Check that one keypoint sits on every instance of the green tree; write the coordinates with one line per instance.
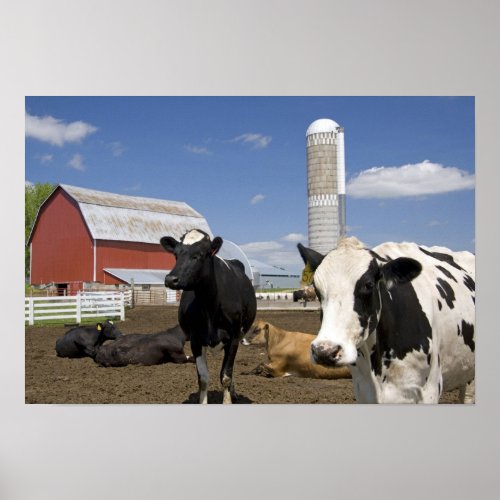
(34, 196)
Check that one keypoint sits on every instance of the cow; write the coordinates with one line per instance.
(145, 349)
(307, 294)
(289, 353)
(256, 334)
(400, 315)
(218, 303)
(83, 341)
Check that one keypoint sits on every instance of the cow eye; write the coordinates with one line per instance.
(369, 286)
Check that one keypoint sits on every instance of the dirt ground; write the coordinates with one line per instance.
(50, 379)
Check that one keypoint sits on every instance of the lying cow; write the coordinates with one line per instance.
(289, 353)
(218, 304)
(145, 349)
(306, 294)
(256, 334)
(401, 316)
(83, 341)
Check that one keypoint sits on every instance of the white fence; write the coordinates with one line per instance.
(274, 295)
(77, 307)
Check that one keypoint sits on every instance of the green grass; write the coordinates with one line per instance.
(71, 321)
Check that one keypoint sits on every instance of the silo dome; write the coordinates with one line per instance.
(322, 125)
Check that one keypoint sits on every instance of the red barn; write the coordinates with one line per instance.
(82, 235)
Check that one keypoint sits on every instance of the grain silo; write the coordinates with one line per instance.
(325, 184)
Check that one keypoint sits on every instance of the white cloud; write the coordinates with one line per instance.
(45, 158)
(257, 199)
(117, 148)
(28, 183)
(197, 150)
(274, 253)
(436, 223)
(56, 131)
(258, 141)
(294, 237)
(418, 179)
(259, 247)
(77, 163)
(290, 260)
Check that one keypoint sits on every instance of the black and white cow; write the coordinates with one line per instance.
(401, 316)
(83, 341)
(218, 303)
(145, 349)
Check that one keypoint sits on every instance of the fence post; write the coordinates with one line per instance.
(122, 306)
(31, 308)
(78, 307)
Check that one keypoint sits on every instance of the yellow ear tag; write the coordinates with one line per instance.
(99, 328)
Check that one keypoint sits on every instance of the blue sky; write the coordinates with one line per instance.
(241, 162)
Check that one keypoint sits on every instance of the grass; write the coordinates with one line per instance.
(72, 321)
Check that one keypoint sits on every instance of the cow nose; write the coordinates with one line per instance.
(171, 281)
(326, 353)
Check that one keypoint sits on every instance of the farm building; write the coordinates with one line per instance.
(266, 276)
(83, 236)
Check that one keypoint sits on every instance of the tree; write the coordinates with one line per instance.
(34, 196)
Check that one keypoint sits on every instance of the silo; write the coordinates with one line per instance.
(325, 184)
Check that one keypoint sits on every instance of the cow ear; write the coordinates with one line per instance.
(215, 245)
(169, 243)
(399, 271)
(310, 256)
(266, 333)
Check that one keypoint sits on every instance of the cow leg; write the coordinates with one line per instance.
(179, 357)
(200, 356)
(226, 374)
(87, 351)
(467, 393)
(274, 369)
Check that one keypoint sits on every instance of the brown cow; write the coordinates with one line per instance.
(289, 353)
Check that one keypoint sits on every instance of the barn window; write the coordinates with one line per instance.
(146, 287)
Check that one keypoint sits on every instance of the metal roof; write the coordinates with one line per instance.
(140, 276)
(117, 217)
(268, 270)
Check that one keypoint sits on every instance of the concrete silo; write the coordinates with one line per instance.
(325, 184)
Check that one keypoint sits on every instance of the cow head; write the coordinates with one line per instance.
(347, 283)
(257, 334)
(108, 331)
(192, 253)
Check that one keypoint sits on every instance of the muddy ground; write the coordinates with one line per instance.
(50, 379)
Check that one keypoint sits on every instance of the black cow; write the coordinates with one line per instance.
(83, 341)
(145, 349)
(218, 303)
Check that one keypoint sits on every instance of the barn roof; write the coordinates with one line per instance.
(117, 217)
(140, 276)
